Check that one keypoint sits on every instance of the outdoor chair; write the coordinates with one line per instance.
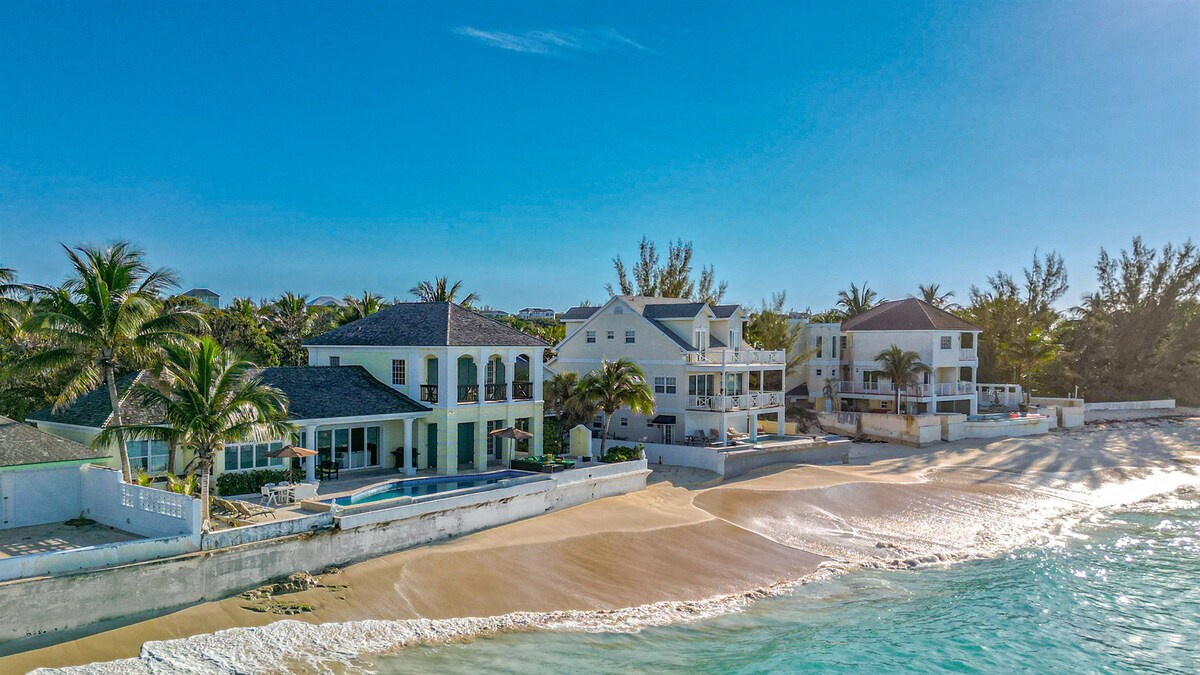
(327, 469)
(250, 511)
(304, 491)
(265, 491)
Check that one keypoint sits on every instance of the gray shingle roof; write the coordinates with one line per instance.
(194, 292)
(21, 444)
(674, 310)
(907, 314)
(579, 313)
(342, 391)
(426, 324)
(94, 410)
(313, 393)
(724, 311)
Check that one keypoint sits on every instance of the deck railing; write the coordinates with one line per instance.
(748, 401)
(429, 393)
(522, 391)
(967, 355)
(468, 393)
(495, 392)
(736, 357)
(886, 389)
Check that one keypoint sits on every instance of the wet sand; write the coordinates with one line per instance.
(689, 536)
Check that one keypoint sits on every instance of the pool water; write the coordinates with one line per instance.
(420, 487)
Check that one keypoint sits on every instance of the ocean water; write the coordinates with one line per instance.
(1120, 592)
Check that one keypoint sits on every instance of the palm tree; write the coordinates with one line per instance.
(1032, 351)
(564, 401)
(209, 397)
(902, 367)
(358, 307)
(293, 320)
(932, 294)
(107, 317)
(440, 290)
(618, 384)
(856, 301)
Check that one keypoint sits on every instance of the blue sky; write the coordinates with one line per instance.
(331, 147)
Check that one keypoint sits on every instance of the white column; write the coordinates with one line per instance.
(723, 430)
(536, 374)
(448, 385)
(510, 371)
(754, 427)
(781, 421)
(406, 464)
(932, 390)
(481, 374)
(310, 463)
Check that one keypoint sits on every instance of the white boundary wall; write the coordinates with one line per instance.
(103, 597)
(141, 510)
(1130, 405)
(38, 496)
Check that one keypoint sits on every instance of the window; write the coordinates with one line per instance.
(818, 372)
(820, 347)
(398, 374)
(148, 456)
(610, 335)
(649, 422)
(349, 447)
(591, 336)
(494, 446)
(702, 385)
(947, 342)
(629, 337)
(624, 421)
(335, 360)
(598, 421)
(842, 343)
(833, 349)
(664, 385)
(240, 456)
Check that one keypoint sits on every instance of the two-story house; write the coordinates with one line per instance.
(706, 378)
(845, 366)
(477, 375)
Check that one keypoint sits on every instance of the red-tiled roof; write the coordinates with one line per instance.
(907, 314)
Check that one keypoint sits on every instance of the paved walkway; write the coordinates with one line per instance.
(57, 537)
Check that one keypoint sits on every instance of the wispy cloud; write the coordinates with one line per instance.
(554, 42)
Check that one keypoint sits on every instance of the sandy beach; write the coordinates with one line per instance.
(689, 536)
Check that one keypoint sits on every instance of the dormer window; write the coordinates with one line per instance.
(335, 361)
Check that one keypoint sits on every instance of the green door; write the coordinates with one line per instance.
(466, 445)
(431, 445)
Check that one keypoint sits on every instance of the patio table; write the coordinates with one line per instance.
(280, 494)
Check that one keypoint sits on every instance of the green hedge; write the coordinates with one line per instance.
(249, 482)
(622, 453)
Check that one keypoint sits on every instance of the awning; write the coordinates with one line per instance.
(663, 420)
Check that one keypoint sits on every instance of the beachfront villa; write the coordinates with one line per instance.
(474, 375)
(352, 420)
(844, 375)
(709, 384)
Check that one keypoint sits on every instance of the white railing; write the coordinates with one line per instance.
(967, 355)
(748, 401)
(886, 389)
(736, 357)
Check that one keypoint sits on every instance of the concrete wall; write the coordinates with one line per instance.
(269, 530)
(826, 452)
(1130, 405)
(89, 557)
(682, 455)
(1021, 426)
(1052, 400)
(37, 496)
(915, 430)
(141, 510)
(33, 607)
(952, 426)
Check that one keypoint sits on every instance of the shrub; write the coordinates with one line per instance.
(249, 482)
(622, 453)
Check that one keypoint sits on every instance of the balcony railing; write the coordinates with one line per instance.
(967, 355)
(736, 357)
(749, 401)
(886, 389)
(468, 393)
(429, 393)
(522, 391)
(495, 392)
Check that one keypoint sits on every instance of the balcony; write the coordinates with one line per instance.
(429, 393)
(967, 355)
(495, 392)
(468, 393)
(522, 391)
(749, 401)
(920, 390)
(736, 357)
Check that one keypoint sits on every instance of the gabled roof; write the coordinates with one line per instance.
(21, 444)
(312, 392)
(579, 313)
(193, 292)
(325, 301)
(94, 410)
(341, 391)
(907, 314)
(426, 324)
(725, 311)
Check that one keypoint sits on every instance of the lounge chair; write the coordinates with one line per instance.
(224, 511)
(734, 433)
(251, 511)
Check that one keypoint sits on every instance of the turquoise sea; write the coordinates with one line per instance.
(1120, 592)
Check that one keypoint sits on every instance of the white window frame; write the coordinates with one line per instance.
(630, 337)
(624, 420)
(590, 337)
(665, 385)
(153, 448)
(610, 335)
(335, 360)
(247, 459)
(947, 342)
(402, 378)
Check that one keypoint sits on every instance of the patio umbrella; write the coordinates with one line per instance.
(511, 432)
(291, 452)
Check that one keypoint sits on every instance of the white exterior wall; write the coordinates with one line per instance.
(40, 495)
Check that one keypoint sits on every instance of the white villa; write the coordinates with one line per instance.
(535, 313)
(844, 368)
(707, 380)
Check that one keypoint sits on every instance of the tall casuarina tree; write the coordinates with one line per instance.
(617, 384)
(107, 316)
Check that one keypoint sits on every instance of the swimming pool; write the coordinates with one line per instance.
(424, 487)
